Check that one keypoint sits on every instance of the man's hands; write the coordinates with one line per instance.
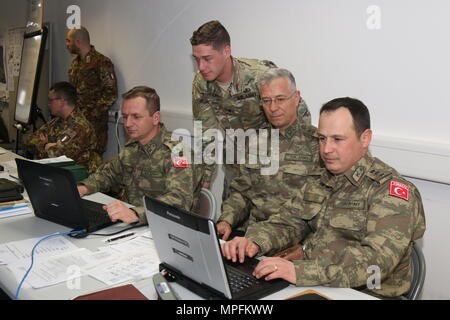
(268, 268)
(224, 229)
(239, 247)
(116, 210)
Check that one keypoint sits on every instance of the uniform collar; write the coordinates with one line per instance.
(88, 57)
(354, 175)
(153, 144)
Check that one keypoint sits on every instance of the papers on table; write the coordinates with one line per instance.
(16, 209)
(58, 260)
(21, 250)
(59, 159)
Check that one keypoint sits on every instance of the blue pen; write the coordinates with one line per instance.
(13, 207)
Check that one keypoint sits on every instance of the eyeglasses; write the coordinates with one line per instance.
(277, 100)
(53, 99)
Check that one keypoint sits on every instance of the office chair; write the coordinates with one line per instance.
(418, 271)
(207, 204)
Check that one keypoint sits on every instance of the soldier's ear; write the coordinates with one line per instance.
(156, 117)
(366, 138)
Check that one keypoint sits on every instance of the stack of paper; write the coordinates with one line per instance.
(14, 209)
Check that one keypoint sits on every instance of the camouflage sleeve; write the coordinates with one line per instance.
(280, 231)
(303, 112)
(203, 111)
(391, 224)
(109, 85)
(236, 208)
(72, 143)
(34, 144)
(107, 177)
(180, 186)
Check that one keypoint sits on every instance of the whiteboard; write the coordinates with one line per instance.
(30, 69)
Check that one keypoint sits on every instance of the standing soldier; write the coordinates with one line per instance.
(225, 91)
(69, 133)
(93, 76)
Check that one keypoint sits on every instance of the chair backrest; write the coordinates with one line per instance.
(418, 271)
(207, 204)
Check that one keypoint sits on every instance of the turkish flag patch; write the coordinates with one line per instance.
(180, 162)
(399, 190)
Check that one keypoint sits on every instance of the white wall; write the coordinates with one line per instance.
(399, 71)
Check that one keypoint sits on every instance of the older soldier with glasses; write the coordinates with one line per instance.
(254, 197)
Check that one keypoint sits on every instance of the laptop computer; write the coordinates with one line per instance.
(189, 250)
(54, 196)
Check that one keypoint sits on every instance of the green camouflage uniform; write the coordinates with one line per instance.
(148, 170)
(237, 108)
(255, 197)
(96, 85)
(349, 223)
(74, 137)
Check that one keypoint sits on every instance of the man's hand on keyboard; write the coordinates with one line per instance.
(274, 268)
(118, 211)
(239, 247)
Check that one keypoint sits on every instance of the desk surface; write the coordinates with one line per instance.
(29, 226)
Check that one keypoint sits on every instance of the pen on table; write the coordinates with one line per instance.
(120, 237)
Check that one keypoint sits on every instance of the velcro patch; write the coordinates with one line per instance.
(180, 162)
(399, 190)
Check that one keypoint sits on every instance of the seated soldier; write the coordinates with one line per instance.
(147, 165)
(255, 196)
(357, 214)
(69, 133)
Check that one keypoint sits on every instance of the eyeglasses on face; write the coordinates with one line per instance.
(277, 100)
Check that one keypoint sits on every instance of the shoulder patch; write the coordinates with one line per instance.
(399, 190)
(180, 162)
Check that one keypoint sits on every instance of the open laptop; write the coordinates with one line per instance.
(54, 196)
(189, 250)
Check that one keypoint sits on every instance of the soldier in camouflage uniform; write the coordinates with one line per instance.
(225, 92)
(69, 133)
(254, 197)
(93, 75)
(356, 217)
(148, 164)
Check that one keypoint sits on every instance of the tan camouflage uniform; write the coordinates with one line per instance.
(74, 137)
(237, 108)
(255, 197)
(96, 85)
(347, 224)
(148, 169)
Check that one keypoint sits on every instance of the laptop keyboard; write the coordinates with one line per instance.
(239, 281)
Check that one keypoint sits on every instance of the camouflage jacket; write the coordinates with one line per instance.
(74, 137)
(148, 169)
(254, 197)
(96, 84)
(348, 224)
(239, 108)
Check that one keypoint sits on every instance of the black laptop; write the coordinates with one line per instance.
(190, 253)
(54, 196)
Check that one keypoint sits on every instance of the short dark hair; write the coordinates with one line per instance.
(66, 91)
(149, 94)
(358, 110)
(211, 33)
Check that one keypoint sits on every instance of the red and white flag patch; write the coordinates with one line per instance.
(180, 162)
(399, 190)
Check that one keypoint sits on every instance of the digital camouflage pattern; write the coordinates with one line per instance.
(255, 197)
(239, 107)
(74, 138)
(148, 170)
(347, 224)
(96, 85)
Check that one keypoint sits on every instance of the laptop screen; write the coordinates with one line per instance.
(188, 244)
(53, 193)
